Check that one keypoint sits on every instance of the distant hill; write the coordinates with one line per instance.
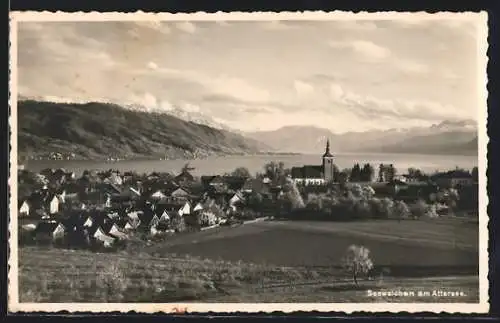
(447, 137)
(301, 139)
(100, 130)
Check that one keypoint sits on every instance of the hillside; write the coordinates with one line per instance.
(444, 143)
(101, 130)
(447, 137)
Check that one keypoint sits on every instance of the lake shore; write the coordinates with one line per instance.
(254, 163)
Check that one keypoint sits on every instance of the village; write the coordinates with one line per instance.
(103, 209)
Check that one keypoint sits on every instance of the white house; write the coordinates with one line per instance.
(54, 205)
(154, 221)
(103, 237)
(235, 199)
(89, 222)
(131, 225)
(62, 197)
(113, 215)
(185, 209)
(59, 232)
(116, 232)
(165, 217)
(134, 215)
(24, 209)
(115, 179)
(108, 202)
(198, 207)
(158, 195)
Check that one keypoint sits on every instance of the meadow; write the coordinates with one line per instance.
(263, 262)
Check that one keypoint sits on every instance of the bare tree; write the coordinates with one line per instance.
(357, 261)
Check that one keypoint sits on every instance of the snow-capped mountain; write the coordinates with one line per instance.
(186, 112)
(446, 136)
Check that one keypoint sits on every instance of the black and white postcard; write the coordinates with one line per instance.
(248, 162)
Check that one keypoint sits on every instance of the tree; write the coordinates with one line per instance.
(415, 173)
(475, 174)
(293, 196)
(357, 191)
(390, 173)
(367, 173)
(271, 169)
(241, 172)
(357, 261)
(368, 192)
(255, 201)
(343, 176)
(186, 168)
(355, 173)
(381, 173)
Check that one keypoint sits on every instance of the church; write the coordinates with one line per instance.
(316, 174)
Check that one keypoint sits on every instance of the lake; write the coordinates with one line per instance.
(255, 163)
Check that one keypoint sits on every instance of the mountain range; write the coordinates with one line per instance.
(100, 130)
(447, 137)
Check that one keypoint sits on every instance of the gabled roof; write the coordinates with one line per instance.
(205, 180)
(185, 175)
(177, 189)
(169, 207)
(307, 171)
(21, 202)
(46, 226)
(50, 197)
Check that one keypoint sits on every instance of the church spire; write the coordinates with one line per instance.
(327, 150)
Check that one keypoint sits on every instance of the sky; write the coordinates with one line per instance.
(352, 75)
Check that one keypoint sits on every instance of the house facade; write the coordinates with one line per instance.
(54, 205)
(24, 209)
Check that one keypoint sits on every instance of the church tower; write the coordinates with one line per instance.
(328, 166)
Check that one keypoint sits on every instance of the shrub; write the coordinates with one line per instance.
(178, 224)
(207, 218)
(431, 211)
(400, 210)
(419, 209)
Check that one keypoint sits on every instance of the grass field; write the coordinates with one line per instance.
(263, 262)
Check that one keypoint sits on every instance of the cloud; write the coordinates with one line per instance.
(222, 84)
(186, 26)
(222, 23)
(152, 65)
(276, 25)
(373, 53)
(363, 48)
(302, 88)
(356, 25)
(411, 67)
(326, 95)
(157, 25)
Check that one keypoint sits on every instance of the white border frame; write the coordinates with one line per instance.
(482, 33)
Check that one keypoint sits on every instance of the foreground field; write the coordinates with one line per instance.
(264, 262)
(51, 275)
(408, 248)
